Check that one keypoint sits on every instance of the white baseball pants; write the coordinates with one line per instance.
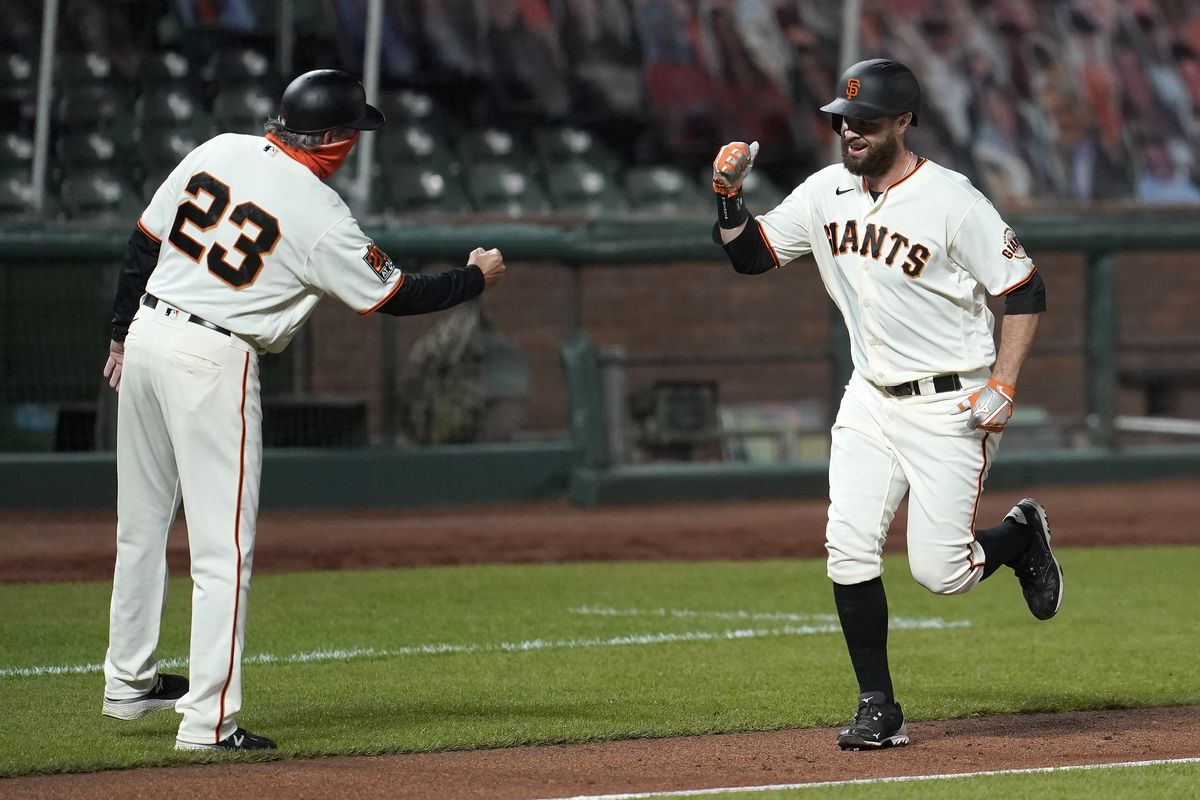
(884, 446)
(189, 427)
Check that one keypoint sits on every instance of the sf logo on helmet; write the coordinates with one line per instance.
(851, 88)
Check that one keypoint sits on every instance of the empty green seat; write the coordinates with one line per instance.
(503, 188)
(663, 188)
(576, 186)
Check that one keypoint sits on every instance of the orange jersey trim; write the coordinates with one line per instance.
(146, 231)
(767, 242)
(920, 163)
(1021, 282)
(237, 541)
(383, 302)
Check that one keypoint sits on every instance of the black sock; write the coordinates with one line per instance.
(1003, 545)
(862, 608)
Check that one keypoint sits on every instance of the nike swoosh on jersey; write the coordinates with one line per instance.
(843, 191)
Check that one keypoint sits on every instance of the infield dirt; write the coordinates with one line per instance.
(79, 546)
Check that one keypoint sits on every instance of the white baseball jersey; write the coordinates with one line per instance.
(908, 271)
(252, 239)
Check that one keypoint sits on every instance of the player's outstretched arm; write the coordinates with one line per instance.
(490, 263)
(730, 168)
(735, 231)
(423, 294)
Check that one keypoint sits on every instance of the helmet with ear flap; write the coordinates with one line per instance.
(327, 98)
(877, 87)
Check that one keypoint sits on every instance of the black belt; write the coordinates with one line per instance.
(150, 301)
(941, 383)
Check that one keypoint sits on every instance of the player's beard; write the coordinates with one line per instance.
(878, 159)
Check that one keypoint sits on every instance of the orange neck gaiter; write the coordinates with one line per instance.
(325, 160)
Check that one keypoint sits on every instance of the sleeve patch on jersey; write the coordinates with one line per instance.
(379, 262)
(1012, 246)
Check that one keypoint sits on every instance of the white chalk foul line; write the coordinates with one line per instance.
(896, 623)
(528, 645)
(869, 781)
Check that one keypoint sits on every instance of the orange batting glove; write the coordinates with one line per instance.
(732, 165)
(991, 407)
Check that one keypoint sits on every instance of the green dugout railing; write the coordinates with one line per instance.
(1099, 237)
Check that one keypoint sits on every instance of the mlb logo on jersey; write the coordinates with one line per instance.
(379, 262)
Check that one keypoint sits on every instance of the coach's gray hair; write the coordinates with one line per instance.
(296, 141)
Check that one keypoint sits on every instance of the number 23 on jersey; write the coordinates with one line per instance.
(252, 250)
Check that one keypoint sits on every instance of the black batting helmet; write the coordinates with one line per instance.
(878, 87)
(327, 98)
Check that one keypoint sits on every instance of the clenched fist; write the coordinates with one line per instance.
(991, 407)
(490, 263)
(732, 165)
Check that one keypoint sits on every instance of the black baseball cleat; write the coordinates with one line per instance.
(241, 739)
(876, 725)
(1038, 570)
(167, 689)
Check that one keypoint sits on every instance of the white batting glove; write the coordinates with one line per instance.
(732, 165)
(991, 407)
(112, 367)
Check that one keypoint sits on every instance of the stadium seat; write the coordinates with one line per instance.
(413, 144)
(16, 151)
(761, 193)
(18, 88)
(169, 145)
(345, 182)
(98, 194)
(494, 145)
(162, 149)
(244, 109)
(16, 192)
(500, 187)
(171, 105)
(576, 186)
(662, 188)
(75, 70)
(18, 77)
(92, 107)
(238, 66)
(561, 144)
(421, 189)
(408, 105)
(90, 149)
(164, 68)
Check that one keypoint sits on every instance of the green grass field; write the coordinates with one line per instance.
(470, 657)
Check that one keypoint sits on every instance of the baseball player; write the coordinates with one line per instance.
(227, 262)
(906, 249)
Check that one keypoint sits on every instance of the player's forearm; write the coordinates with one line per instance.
(141, 256)
(1016, 337)
(422, 294)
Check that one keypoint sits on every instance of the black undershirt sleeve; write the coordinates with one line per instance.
(748, 253)
(141, 256)
(1028, 298)
(421, 294)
